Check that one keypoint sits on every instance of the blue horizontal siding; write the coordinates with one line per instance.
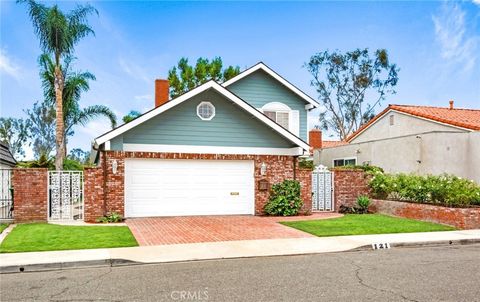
(259, 88)
(231, 127)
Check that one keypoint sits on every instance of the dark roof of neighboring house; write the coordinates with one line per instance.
(457, 117)
(331, 144)
(6, 156)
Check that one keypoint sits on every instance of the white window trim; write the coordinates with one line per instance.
(213, 111)
(344, 158)
(278, 107)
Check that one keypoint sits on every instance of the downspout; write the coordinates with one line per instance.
(103, 155)
(295, 167)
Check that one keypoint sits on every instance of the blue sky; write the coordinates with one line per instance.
(435, 44)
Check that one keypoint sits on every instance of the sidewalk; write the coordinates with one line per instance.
(36, 261)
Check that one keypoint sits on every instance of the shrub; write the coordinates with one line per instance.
(111, 218)
(284, 199)
(448, 190)
(363, 202)
(306, 164)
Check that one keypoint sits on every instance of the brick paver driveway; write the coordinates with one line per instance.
(191, 229)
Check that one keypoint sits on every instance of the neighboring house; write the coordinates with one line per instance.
(207, 151)
(417, 139)
(6, 158)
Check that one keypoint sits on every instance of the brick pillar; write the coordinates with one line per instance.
(94, 193)
(304, 176)
(30, 195)
(348, 185)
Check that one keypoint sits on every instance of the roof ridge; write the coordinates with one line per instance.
(436, 107)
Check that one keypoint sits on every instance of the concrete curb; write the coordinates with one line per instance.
(123, 262)
(43, 267)
(420, 244)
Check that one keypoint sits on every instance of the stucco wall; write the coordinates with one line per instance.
(403, 124)
(428, 153)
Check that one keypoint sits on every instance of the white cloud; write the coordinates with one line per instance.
(145, 97)
(7, 66)
(476, 2)
(451, 32)
(134, 70)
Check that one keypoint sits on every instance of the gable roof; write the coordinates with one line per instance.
(276, 76)
(188, 95)
(468, 119)
(6, 156)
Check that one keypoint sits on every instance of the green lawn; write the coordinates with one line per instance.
(51, 237)
(355, 224)
(3, 226)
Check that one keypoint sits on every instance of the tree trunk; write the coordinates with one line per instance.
(59, 131)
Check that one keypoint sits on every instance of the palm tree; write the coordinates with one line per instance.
(75, 84)
(58, 33)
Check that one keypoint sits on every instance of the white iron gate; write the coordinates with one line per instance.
(65, 195)
(322, 185)
(6, 194)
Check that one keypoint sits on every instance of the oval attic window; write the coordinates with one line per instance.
(205, 111)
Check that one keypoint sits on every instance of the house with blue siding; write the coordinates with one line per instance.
(214, 150)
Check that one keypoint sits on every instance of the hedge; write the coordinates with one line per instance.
(446, 190)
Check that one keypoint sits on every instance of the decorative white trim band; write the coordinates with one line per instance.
(295, 151)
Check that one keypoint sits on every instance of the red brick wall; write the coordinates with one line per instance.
(279, 168)
(30, 194)
(463, 218)
(348, 185)
(94, 195)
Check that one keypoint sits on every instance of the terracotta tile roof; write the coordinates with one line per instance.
(464, 118)
(331, 144)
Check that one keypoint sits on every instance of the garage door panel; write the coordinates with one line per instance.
(156, 187)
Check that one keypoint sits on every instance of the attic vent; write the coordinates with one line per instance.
(392, 120)
(205, 111)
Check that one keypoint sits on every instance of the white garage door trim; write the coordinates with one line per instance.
(178, 187)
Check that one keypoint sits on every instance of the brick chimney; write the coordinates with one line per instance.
(451, 104)
(315, 139)
(161, 92)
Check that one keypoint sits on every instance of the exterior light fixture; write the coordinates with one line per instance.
(263, 169)
(114, 166)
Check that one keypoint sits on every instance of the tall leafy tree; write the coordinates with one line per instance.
(75, 84)
(16, 133)
(185, 77)
(58, 33)
(42, 118)
(350, 85)
(131, 116)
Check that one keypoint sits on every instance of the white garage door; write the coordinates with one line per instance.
(158, 187)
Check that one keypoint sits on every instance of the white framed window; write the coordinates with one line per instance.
(341, 162)
(283, 115)
(205, 111)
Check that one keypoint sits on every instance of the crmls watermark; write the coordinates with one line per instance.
(188, 295)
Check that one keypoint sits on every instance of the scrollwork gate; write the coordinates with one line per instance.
(322, 185)
(65, 195)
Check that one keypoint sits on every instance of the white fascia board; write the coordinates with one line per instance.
(295, 151)
(292, 137)
(211, 84)
(276, 76)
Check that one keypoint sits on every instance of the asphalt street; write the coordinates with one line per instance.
(446, 273)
